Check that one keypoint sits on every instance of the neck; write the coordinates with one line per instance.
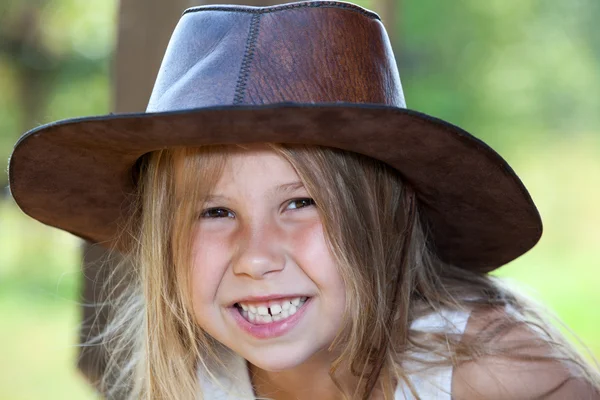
(307, 381)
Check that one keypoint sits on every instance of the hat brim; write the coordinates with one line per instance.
(76, 174)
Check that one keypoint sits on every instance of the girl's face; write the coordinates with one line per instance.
(264, 281)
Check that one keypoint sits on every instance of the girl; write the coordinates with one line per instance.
(291, 230)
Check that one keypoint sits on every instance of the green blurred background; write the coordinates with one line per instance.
(524, 75)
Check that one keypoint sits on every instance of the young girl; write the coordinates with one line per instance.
(291, 231)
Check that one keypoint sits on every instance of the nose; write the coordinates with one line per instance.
(260, 250)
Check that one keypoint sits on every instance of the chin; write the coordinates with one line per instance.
(279, 359)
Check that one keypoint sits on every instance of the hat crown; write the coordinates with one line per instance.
(274, 61)
(305, 52)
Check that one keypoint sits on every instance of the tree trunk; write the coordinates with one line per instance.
(144, 30)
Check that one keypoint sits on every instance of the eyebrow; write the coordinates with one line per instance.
(283, 189)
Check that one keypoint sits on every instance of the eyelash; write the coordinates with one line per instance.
(205, 213)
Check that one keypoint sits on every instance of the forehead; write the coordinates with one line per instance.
(256, 166)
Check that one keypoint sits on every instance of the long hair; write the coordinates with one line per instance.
(373, 227)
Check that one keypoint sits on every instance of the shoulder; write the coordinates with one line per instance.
(523, 365)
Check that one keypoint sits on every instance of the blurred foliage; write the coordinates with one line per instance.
(521, 74)
(54, 62)
(509, 71)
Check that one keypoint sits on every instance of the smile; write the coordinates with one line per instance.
(272, 311)
(270, 319)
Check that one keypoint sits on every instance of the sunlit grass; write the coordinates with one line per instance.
(563, 270)
(37, 346)
(39, 281)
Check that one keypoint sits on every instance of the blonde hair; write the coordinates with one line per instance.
(382, 251)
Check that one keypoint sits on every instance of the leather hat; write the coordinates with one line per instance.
(317, 72)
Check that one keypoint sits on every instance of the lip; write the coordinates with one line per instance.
(270, 330)
(266, 298)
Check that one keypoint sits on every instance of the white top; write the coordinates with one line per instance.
(434, 385)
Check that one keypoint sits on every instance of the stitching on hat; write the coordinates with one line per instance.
(270, 9)
(240, 90)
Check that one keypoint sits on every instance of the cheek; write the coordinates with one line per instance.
(313, 255)
(318, 263)
(209, 263)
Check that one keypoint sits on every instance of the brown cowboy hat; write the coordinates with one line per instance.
(318, 72)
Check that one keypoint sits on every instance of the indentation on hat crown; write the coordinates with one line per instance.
(240, 89)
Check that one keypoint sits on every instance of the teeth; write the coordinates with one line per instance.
(272, 312)
(266, 319)
(276, 309)
(262, 310)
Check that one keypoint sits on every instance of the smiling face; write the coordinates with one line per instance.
(264, 281)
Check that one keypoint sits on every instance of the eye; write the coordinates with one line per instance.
(217, 213)
(300, 203)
